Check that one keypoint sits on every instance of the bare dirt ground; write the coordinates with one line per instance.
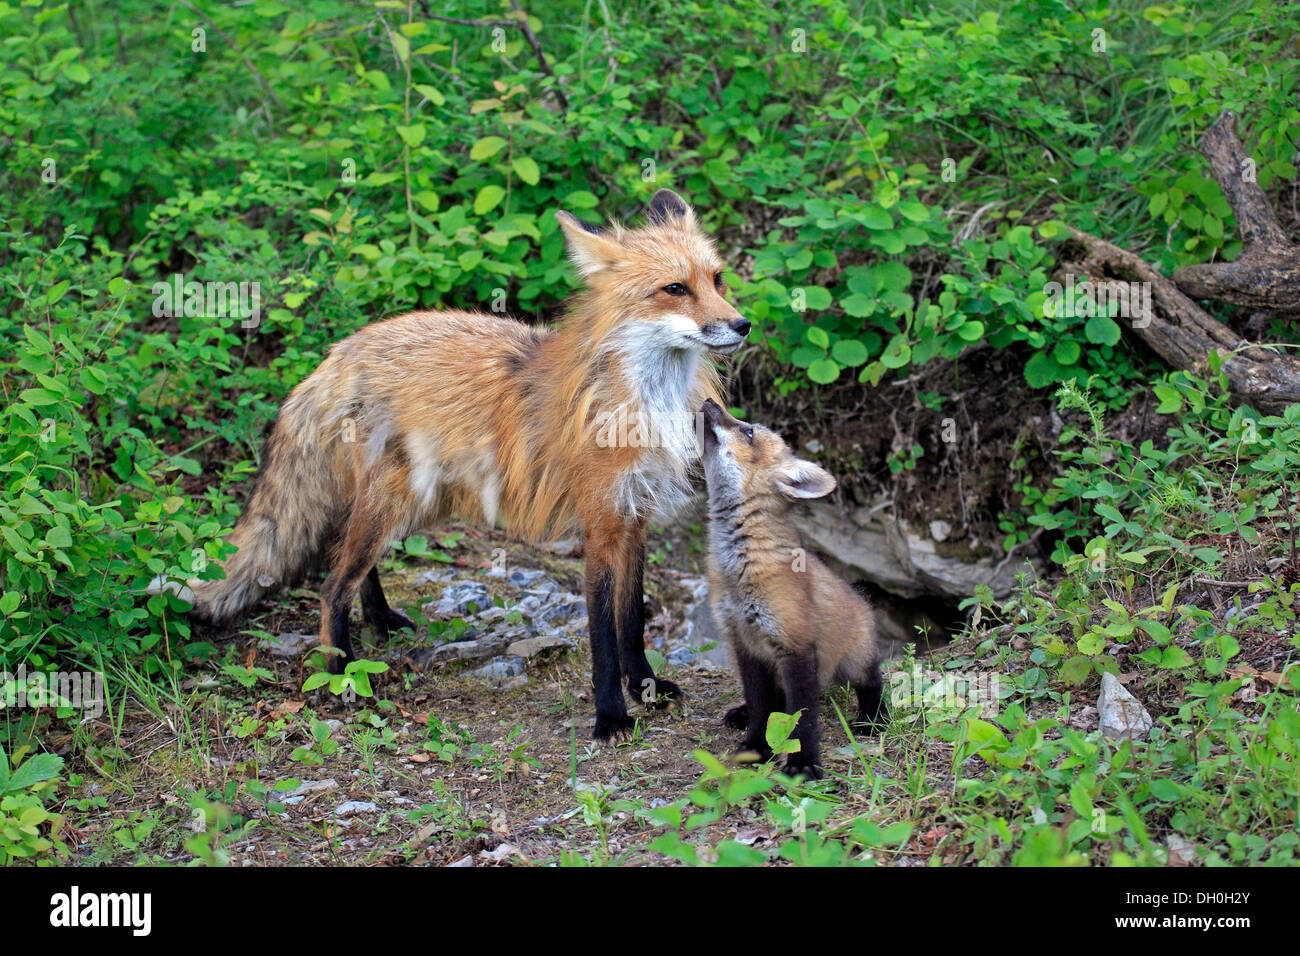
(232, 762)
(440, 766)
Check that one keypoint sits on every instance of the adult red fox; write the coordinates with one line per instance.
(432, 414)
(793, 624)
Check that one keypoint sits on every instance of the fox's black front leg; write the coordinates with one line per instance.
(641, 681)
(611, 709)
(375, 609)
(803, 693)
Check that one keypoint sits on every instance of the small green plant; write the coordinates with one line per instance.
(25, 824)
(354, 681)
(320, 745)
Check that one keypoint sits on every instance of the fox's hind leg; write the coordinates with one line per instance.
(375, 610)
(873, 711)
(365, 536)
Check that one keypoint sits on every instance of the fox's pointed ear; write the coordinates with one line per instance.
(803, 479)
(669, 209)
(591, 248)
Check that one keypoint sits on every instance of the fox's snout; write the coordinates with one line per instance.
(714, 418)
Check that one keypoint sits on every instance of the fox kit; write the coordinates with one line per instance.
(795, 627)
(433, 414)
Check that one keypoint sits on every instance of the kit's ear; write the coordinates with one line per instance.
(669, 209)
(803, 479)
(591, 248)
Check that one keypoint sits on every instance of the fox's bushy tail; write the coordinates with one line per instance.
(289, 523)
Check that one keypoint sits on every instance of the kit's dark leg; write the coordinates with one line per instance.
(803, 693)
(873, 710)
(762, 696)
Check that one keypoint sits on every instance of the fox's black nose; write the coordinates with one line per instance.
(740, 326)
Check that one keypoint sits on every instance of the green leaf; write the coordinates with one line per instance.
(858, 305)
(823, 371)
(1041, 370)
(40, 397)
(527, 170)
(850, 352)
(57, 292)
(915, 211)
(817, 298)
(401, 46)
(319, 679)
(873, 217)
(76, 73)
(1101, 330)
(1171, 401)
(488, 198)
(431, 94)
(487, 147)
(897, 353)
(778, 730)
(818, 337)
(581, 199)
(1165, 790)
(94, 380)
(413, 135)
(984, 738)
(1066, 352)
(34, 770)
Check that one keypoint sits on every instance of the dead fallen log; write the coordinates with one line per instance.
(1265, 276)
(1183, 334)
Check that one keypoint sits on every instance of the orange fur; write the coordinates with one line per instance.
(431, 415)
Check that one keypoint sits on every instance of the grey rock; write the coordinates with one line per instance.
(492, 614)
(462, 651)
(556, 615)
(681, 656)
(886, 552)
(501, 667)
(354, 807)
(536, 645)
(288, 645)
(1120, 714)
(700, 632)
(434, 576)
(1182, 852)
(530, 605)
(940, 530)
(307, 788)
(457, 598)
(522, 579)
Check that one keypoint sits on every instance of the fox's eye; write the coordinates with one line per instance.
(676, 288)
(749, 434)
(717, 279)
